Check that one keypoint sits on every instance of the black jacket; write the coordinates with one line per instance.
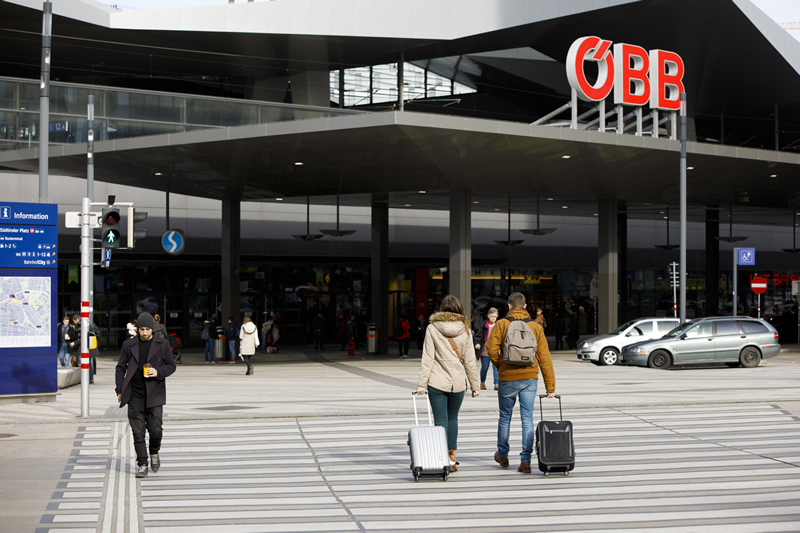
(318, 324)
(160, 357)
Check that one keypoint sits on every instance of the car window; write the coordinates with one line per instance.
(751, 326)
(665, 326)
(622, 328)
(727, 327)
(702, 329)
(644, 328)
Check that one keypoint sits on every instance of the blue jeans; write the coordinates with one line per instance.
(445, 406)
(486, 362)
(507, 396)
(232, 346)
(63, 357)
(209, 354)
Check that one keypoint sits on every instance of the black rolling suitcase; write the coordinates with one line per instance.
(554, 445)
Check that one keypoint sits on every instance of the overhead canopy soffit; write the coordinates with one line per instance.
(401, 152)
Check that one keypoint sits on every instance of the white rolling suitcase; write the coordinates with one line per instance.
(428, 446)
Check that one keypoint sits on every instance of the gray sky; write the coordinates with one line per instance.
(778, 10)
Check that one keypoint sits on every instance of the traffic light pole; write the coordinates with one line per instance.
(86, 262)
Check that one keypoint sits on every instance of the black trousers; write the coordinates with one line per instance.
(318, 341)
(141, 419)
(403, 345)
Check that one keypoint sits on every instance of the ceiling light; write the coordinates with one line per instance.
(422, 192)
(279, 199)
(497, 209)
(564, 207)
(408, 205)
(549, 198)
(666, 218)
(773, 176)
(299, 164)
(595, 214)
(475, 202)
(565, 157)
(689, 168)
(158, 173)
(661, 212)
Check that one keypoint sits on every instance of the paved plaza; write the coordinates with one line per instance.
(315, 441)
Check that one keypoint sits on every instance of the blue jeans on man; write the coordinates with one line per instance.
(232, 346)
(209, 353)
(485, 364)
(507, 394)
(63, 356)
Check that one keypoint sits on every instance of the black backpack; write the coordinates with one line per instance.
(399, 330)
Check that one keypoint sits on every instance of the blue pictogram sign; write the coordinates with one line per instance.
(747, 257)
(173, 242)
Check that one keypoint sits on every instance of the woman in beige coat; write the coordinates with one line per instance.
(446, 356)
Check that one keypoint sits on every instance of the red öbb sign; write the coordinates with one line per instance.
(759, 285)
(636, 75)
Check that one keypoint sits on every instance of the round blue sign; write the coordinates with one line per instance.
(173, 242)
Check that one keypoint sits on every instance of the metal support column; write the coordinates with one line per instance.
(231, 260)
(379, 269)
(607, 265)
(460, 267)
(44, 100)
(684, 241)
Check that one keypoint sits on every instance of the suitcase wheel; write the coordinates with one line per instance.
(416, 476)
(547, 473)
(445, 474)
(566, 472)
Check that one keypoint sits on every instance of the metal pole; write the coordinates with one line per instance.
(683, 265)
(735, 279)
(400, 81)
(44, 100)
(90, 195)
(86, 260)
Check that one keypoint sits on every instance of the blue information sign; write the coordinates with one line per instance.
(173, 242)
(28, 214)
(28, 246)
(747, 257)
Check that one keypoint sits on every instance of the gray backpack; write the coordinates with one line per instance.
(519, 345)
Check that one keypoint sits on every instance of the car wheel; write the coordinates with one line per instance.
(750, 357)
(659, 359)
(609, 356)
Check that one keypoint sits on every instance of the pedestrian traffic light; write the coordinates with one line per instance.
(134, 217)
(111, 227)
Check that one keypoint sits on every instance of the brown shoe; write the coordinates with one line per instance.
(525, 468)
(503, 461)
(453, 462)
(483, 386)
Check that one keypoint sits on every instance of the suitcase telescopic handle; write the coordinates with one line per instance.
(427, 401)
(541, 413)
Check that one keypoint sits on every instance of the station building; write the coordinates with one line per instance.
(365, 155)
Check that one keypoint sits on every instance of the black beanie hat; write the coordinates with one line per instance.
(145, 320)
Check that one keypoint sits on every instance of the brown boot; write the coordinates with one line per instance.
(525, 468)
(503, 461)
(453, 462)
(483, 386)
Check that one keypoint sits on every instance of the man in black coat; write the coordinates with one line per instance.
(144, 396)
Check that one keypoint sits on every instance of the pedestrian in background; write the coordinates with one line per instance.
(318, 326)
(480, 347)
(248, 342)
(276, 328)
(160, 329)
(446, 357)
(420, 331)
(144, 364)
(63, 340)
(352, 334)
(402, 332)
(205, 336)
(559, 330)
(266, 332)
(131, 327)
(233, 335)
(341, 329)
(213, 336)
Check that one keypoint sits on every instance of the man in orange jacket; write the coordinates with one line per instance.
(519, 381)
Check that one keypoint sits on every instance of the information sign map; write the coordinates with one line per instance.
(25, 311)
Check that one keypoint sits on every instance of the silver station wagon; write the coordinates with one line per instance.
(605, 349)
(731, 340)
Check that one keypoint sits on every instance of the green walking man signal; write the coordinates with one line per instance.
(111, 233)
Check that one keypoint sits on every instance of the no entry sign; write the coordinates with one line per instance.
(759, 285)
